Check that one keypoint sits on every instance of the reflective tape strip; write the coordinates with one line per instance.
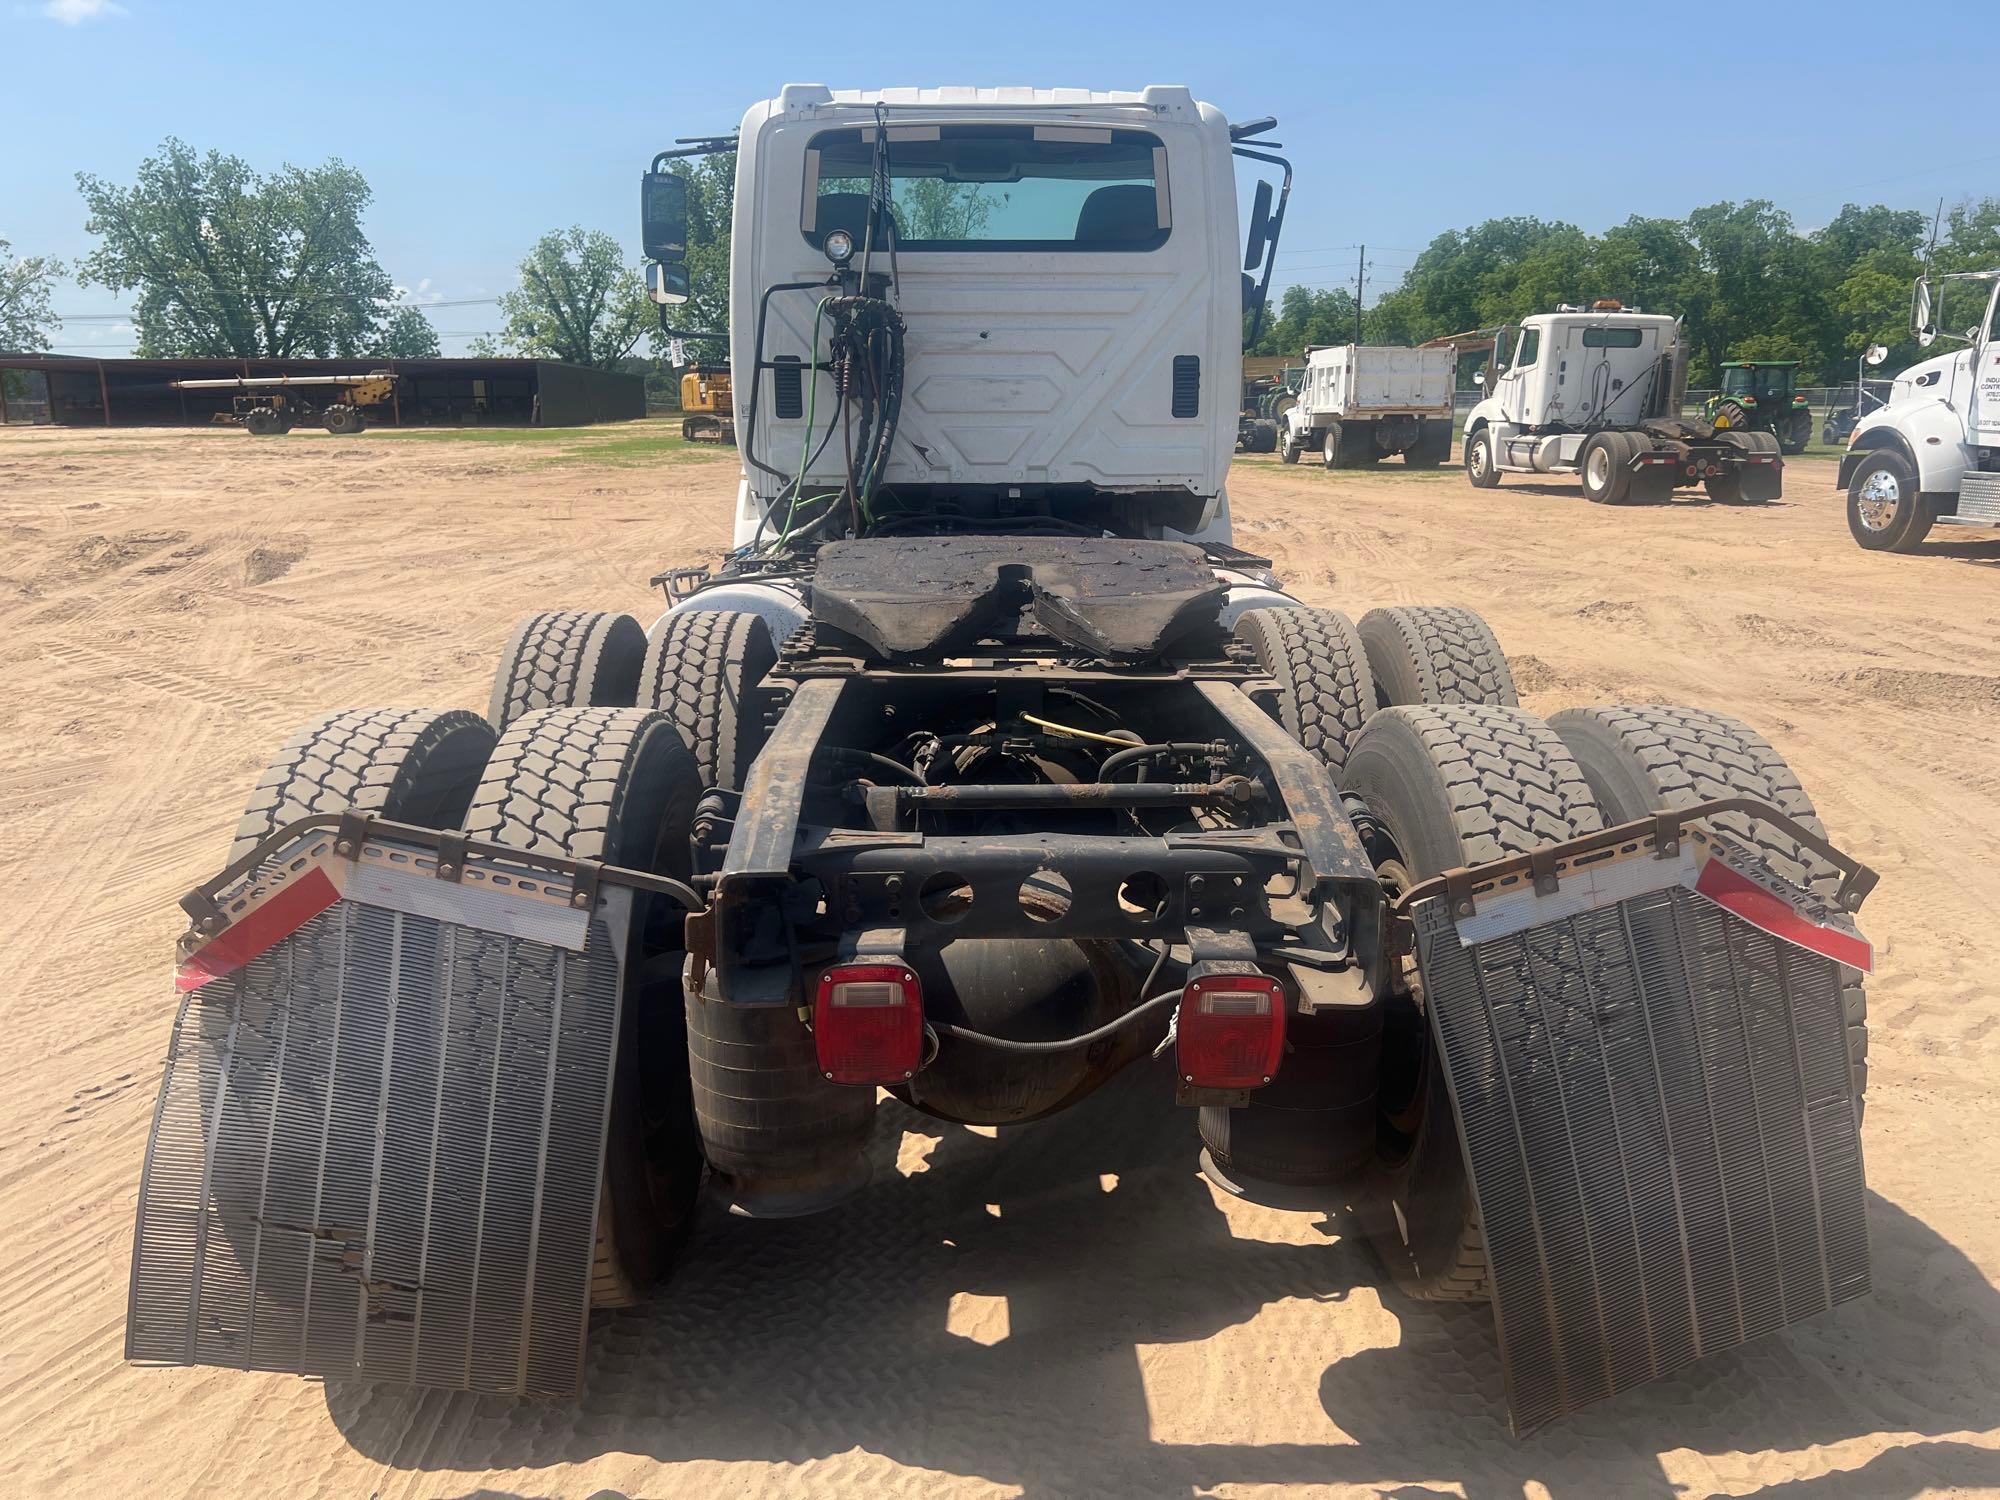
(484, 907)
(258, 930)
(1700, 866)
(1581, 888)
(1768, 912)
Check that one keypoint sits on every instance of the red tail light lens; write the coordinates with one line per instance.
(1230, 1033)
(868, 1023)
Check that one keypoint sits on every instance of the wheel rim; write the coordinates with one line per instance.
(1475, 455)
(1597, 468)
(1878, 500)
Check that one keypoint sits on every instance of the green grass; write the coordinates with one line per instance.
(615, 445)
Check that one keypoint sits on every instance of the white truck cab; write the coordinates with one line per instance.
(1066, 266)
(1597, 392)
(1932, 455)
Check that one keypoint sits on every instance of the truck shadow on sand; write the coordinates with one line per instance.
(1678, 500)
(791, 1342)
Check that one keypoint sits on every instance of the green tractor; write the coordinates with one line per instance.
(1762, 394)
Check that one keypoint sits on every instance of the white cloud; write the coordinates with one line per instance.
(76, 12)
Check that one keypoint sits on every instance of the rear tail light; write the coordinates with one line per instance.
(868, 1023)
(1230, 1031)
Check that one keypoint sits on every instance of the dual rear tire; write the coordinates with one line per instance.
(1440, 786)
(579, 770)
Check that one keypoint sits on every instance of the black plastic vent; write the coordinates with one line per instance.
(1187, 385)
(790, 390)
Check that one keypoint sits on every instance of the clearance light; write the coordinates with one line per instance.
(868, 1023)
(1230, 1031)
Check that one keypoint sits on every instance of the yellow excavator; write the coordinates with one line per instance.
(708, 413)
(267, 405)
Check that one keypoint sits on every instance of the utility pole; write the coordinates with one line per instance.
(1360, 281)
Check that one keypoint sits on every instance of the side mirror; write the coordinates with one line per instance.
(667, 284)
(1479, 377)
(663, 232)
(1260, 228)
(1920, 315)
(1875, 355)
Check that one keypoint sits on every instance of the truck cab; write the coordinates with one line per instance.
(1567, 371)
(1117, 209)
(1597, 392)
(1931, 456)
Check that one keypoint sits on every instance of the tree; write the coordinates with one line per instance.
(578, 302)
(25, 318)
(228, 262)
(1305, 316)
(932, 208)
(407, 334)
(711, 184)
(1747, 282)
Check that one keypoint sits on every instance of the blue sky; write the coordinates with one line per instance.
(481, 126)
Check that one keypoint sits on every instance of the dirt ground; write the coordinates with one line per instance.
(1061, 1310)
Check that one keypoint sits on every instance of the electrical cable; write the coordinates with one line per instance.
(1064, 1044)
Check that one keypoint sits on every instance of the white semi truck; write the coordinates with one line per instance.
(962, 785)
(1597, 392)
(1932, 455)
(1359, 403)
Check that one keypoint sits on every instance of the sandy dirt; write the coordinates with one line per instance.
(1064, 1309)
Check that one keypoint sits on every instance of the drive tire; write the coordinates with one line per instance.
(704, 670)
(1442, 787)
(1731, 416)
(409, 765)
(1435, 653)
(1480, 468)
(1886, 512)
(1602, 466)
(617, 785)
(1332, 452)
(343, 421)
(1325, 692)
(1651, 758)
(1797, 433)
(568, 658)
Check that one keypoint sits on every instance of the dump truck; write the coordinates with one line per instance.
(1596, 392)
(984, 767)
(1931, 455)
(271, 405)
(1361, 403)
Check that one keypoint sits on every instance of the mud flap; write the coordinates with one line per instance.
(1763, 480)
(1649, 1065)
(380, 1136)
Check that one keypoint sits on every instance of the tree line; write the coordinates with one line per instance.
(226, 261)
(1749, 282)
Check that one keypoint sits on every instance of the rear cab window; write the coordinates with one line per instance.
(995, 187)
(1612, 338)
